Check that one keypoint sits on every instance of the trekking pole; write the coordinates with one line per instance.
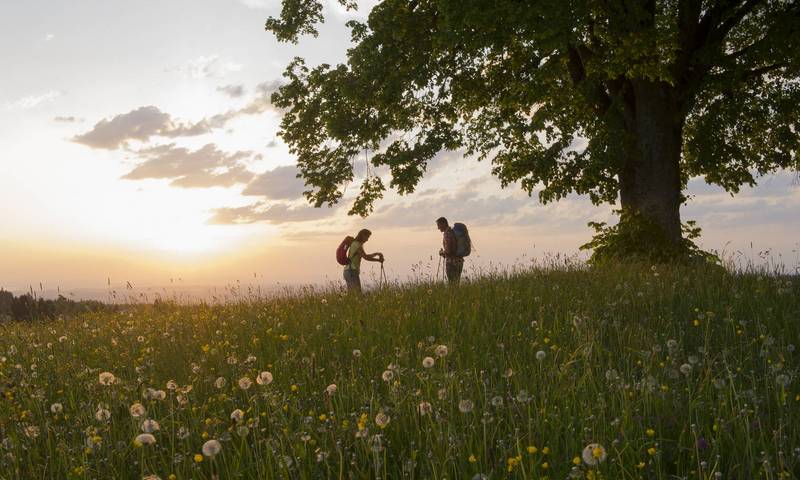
(382, 280)
(438, 267)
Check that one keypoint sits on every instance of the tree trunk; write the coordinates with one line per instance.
(650, 182)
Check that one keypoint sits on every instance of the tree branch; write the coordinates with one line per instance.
(717, 35)
(745, 75)
(597, 94)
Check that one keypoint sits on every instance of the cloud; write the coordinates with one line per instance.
(464, 205)
(139, 124)
(206, 167)
(33, 101)
(49, 37)
(233, 91)
(69, 119)
(259, 104)
(145, 122)
(280, 183)
(255, 4)
(211, 66)
(276, 214)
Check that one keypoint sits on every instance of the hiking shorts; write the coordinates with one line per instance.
(353, 280)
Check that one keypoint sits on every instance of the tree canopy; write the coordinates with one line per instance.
(614, 99)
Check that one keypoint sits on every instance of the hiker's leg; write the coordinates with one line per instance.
(352, 281)
(453, 270)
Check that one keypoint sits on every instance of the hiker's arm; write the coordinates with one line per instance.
(373, 257)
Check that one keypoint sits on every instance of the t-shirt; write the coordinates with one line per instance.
(355, 259)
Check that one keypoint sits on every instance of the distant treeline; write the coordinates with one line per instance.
(28, 307)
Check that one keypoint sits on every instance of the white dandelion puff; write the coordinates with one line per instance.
(237, 415)
(150, 426)
(427, 362)
(211, 448)
(593, 454)
(424, 408)
(102, 414)
(137, 410)
(465, 406)
(382, 420)
(106, 378)
(145, 439)
(264, 378)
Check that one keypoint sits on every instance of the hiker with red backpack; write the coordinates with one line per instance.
(456, 245)
(350, 253)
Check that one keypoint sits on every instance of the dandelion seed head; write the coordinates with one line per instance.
(264, 378)
(237, 415)
(137, 410)
(211, 447)
(382, 420)
(102, 414)
(106, 378)
(594, 454)
(144, 439)
(424, 408)
(150, 426)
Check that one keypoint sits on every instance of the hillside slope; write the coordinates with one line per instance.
(671, 371)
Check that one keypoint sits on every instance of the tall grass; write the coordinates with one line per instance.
(674, 372)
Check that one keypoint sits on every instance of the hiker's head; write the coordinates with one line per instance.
(441, 224)
(363, 235)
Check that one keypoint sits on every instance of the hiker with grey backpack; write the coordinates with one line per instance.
(456, 245)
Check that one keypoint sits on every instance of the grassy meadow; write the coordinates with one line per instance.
(617, 373)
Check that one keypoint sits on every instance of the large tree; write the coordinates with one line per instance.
(618, 99)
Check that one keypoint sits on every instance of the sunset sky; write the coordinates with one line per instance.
(138, 144)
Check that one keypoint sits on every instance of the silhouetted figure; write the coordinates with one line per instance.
(456, 245)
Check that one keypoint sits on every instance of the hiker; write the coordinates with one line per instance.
(456, 246)
(355, 252)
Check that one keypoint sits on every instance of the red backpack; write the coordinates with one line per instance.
(341, 251)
